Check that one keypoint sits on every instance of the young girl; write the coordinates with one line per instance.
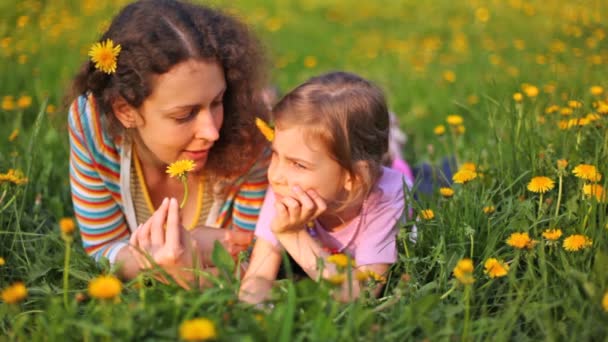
(329, 192)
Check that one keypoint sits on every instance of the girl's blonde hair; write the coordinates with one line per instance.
(349, 115)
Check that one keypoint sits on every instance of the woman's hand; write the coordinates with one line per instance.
(170, 247)
(293, 213)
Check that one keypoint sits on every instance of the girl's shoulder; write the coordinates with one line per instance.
(389, 188)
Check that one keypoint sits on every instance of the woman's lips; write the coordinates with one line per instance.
(197, 155)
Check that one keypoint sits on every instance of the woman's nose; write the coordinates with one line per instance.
(206, 127)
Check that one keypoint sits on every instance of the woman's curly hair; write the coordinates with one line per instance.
(155, 35)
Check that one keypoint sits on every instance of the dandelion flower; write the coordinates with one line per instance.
(575, 104)
(336, 279)
(552, 234)
(2, 262)
(454, 120)
(464, 176)
(24, 101)
(105, 55)
(266, 130)
(197, 329)
(520, 241)
(179, 168)
(552, 109)
(605, 301)
(587, 172)
(14, 293)
(562, 164)
(446, 192)
(67, 225)
(495, 268)
(427, 214)
(460, 129)
(464, 271)
(530, 90)
(105, 287)
(518, 97)
(576, 242)
(594, 190)
(439, 130)
(369, 274)
(340, 260)
(469, 166)
(14, 135)
(596, 90)
(8, 103)
(489, 209)
(541, 184)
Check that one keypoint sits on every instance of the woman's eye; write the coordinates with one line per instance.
(191, 114)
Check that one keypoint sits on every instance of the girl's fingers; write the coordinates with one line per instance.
(308, 207)
(319, 202)
(293, 208)
(157, 231)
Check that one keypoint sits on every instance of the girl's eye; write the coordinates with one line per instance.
(298, 165)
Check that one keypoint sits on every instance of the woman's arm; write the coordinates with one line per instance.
(261, 273)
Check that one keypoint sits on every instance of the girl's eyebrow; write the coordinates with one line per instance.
(291, 158)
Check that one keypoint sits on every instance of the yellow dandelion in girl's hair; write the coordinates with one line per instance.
(179, 168)
(446, 192)
(14, 293)
(495, 268)
(576, 242)
(587, 172)
(605, 301)
(541, 184)
(427, 214)
(464, 176)
(105, 55)
(520, 241)
(105, 287)
(336, 279)
(552, 234)
(518, 97)
(596, 90)
(489, 209)
(464, 271)
(439, 130)
(454, 120)
(340, 260)
(594, 190)
(265, 128)
(197, 329)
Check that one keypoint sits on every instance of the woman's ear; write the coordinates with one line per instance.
(125, 113)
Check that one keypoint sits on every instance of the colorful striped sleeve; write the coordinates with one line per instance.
(101, 221)
(250, 195)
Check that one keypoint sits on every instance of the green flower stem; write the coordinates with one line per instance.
(467, 312)
(559, 197)
(184, 180)
(66, 268)
(540, 205)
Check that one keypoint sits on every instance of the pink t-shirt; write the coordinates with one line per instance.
(370, 237)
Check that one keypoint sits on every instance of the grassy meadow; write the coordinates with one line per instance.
(514, 89)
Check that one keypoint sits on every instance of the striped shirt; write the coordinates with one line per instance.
(100, 180)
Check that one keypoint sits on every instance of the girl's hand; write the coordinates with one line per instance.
(170, 247)
(237, 241)
(293, 213)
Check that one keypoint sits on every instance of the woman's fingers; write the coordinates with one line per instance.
(157, 230)
(173, 247)
(143, 235)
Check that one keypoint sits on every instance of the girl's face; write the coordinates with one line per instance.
(299, 159)
(182, 117)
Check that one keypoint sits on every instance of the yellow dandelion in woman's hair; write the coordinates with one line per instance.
(576, 242)
(105, 287)
(266, 130)
(14, 293)
(197, 329)
(552, 234)
(427, 214)
(541, 184)
(587, 172)
(520, 241)
(446, 192)
(464, 176)
(495, 268)
(179, 168)
(105, 55)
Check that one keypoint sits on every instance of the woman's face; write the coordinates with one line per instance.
(182, 117)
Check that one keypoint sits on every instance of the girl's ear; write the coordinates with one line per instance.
(351, 181)
(125, 113)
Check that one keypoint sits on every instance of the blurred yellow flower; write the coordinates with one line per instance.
(552, 109)
(14, 293)
(67, 225)
(2, 261)
(180, 168)
(13, 176)
(439, 130)
(576, 242)
(464, 271)
(427, 214)
(562, 164)
(482, 14)
(8, 103)
(596, 90)
(197, 329)
(266, 130)
(520, 241)
(22, 21)
(575, 104)
(51, 109)
(518, 97)
(566, 111)
(605, 301)
(105, 55)
(594, 190)
(105, 287)
(530, 90)
(495, 268)
(14, 135)
(460, 129)
(446, 192)
(449, 76)
(489, 209)
(310, 62)
(541, 184)
(454, 120)
(552, 234)
(464, 176)
(336, 279)
(24, 101)
(340, 260)
(468, 166)
(587, 172)
(369, 274)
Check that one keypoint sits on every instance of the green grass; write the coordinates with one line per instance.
(406, 47)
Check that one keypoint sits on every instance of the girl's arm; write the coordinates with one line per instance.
(261, 273)
(306, 251)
